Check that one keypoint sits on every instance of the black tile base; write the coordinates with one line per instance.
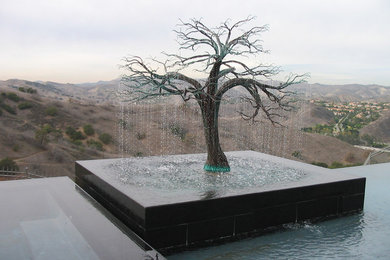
(180, 223)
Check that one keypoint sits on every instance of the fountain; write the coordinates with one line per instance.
(173, 208)
(171, 201)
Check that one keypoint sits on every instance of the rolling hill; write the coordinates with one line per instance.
(153, 129)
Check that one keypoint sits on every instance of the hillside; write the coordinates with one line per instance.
(313, 115)
(55, 153)
(149, 129)
(102, 92)
(379, 128)
(344, 93)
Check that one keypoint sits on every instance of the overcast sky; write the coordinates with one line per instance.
(337, 42)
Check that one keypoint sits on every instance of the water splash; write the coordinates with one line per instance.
(170, 173)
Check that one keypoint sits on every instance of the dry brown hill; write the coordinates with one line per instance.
(313, 114)
(345, 93)
(57, 153)
(149, 129)
(379, 128)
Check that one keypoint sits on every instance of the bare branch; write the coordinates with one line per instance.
(209, 47)
(254, 87)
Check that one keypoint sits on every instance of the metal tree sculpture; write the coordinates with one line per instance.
(220, 51)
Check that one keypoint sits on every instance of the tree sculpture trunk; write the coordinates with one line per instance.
(216, 159)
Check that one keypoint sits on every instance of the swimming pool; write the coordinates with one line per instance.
(362, 236)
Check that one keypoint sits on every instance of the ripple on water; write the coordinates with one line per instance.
(173, 173)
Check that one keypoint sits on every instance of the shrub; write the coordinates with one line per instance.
(178, 131)
(378, 145)
(105, 138)
(74, 134)
(350, 136)
(51, 111)
(31, 91)
(25, 105)
(88, 130)
(368, 139)
(140, 136)
(9, 164)
(22, 89)
(1, 112)
(15, 148)
(138, 154)
(42, 134)
(321, 164)
(8, 108)
(77, 142)
(297, 154)
(335, 165)
(125, 124)
(12, 96)
(95, 144)
(122, 123)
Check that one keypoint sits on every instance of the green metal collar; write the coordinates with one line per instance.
(211, 168)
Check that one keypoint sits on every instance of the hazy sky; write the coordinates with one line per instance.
(337, 42)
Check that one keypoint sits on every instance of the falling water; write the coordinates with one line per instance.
(167, 126)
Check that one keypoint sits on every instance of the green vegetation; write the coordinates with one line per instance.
(335, 165)
(105, 138)
(7, 108)
(73, 134)
(349, 118)
(350, 136)
(319, 129)
(77, 142)
(8, 164)
(51, 111)
(15, 148)
(88, 130)
(378, 145)
(138, 154)
(12, 96)
(297, 154)
(123, 124)
(95, 144)
(371, 141)
(1, 112)
(42, 134)
(321, 164)
(25, 105)
(29, 90)
(140, 136)
(178, 131)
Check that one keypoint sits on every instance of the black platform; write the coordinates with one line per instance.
(180, 220)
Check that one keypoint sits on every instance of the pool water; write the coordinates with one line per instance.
(361, 236)
(185, 172)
